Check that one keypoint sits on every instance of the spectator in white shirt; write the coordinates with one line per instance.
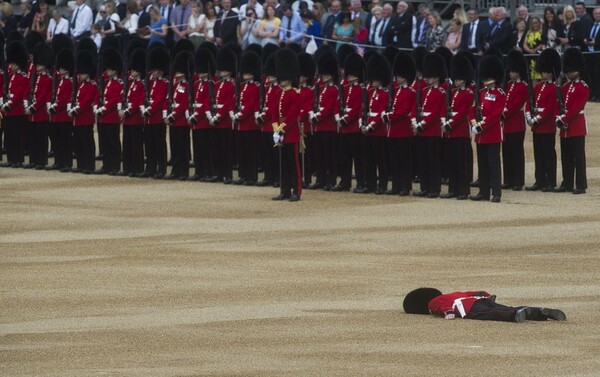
(130, 22)
(57, 25)
(196, 24)
(81, 22)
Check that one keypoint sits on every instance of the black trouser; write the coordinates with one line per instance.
(544, 155)
(429, 164)
(14, 128)
(325, 161)
(63, 150)
(84, 147)
(109, 138)
(307, 160)
(179, 140)
(53, 135)
(222, 145)
(155, 142)
(573, 162)
(201, 140)
(488, 164)
(513, 159)
(133, 148)
(27, 136)
(350, 150)
(470, 161)
(269, 157)
(291, 181)
(488, 310)
(444, 159)
(38, 150)
(417, 146)
(400, 151)
(247, 154)
(593, 73)
(457, 165)
(375, 156)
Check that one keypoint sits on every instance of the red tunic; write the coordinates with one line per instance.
(575, 95)
(433, 109)
(514, 111)
(113, 98)
(289, 113)
(18, 91)
(461, 107)
(403, 109)
(87, 95)
(492, 104)
(180, 107)
(249, 104)
(64, 96)
(201, 103)
(159, 97)
(458, 302)
(329, 105)
(270, 111)
(224, 102)
(42, 95)
(377, 104)
(353, 95)
(546, 104)
(136, 95)
(307, 99)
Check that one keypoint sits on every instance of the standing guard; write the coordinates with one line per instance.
(308, 89)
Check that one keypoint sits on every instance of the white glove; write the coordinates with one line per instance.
(276, 137)
(232, 115)
(413, 122)
(337, 118)
(476, 130)
(69, 106)
(449, 315)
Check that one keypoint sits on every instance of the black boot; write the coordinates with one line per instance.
(543, 314)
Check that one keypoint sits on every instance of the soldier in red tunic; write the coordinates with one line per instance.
(350, 140)
(572, 124)
(155, 131)
(179, 129)
(131, 116)
(107, 112)
(513, 153)
(199, 115)
(13, 108)
(308, 69)
(488, 131)
(457, 128)
(480, 305)
(400, 131)
(82, 112)
(541, 117)
(221, 120)
(3, 93)
(325, 126)
(375, 131)
(39, 119)
(61, 121)
(243, 117)
(265, 120)
(286, 131)
(427, 128)
(419, 86)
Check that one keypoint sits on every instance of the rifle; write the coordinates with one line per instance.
(559, 96)
(340, 89)
(418, 102)
(478, 116)
(315, 103)
(125, 80)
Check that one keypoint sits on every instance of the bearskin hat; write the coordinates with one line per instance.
(573, 60)
(446, 54)
(183, 44)
(416, 301)
(287, 66)
(14, 35)
(267, 50)
(209, 46)
(469, 55)
(60, 41)
(226, 60)
(434, 65)
(269, 69)
(328, 65)
(549, 61)
(85, 63)
(495, 51)
(378, 69)
(183, 63)
(343, 52)
(491, 68)
(137, 61)
(1, 49)
(158, 59)
(308, 67)
(369, 54)
(294, 47)
(404, 66)
(133, 45)
(32, 39)
(16, 53)
(110, 41)
(515, 62)
(237, 50)
(112, 59)
(65, 60)
(205, 61)
(419, 54)
(355, 66)
(323, 49)
(461, 68)
(256, 48)
(42, 55)
(251, 63)
(390, 53)
(87, 44)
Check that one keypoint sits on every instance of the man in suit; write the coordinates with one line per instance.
(356, 11)
(330, 18)
(383, 28)
(592, 43)
(402, 26)
(226, 25)
(523, 12)
(582, 26)
(144, 16)
(500, 35)
(419, 31)
(472, 36)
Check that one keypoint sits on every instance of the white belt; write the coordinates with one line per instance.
(373, 114)
(581, 112)
(458, 305)
(197, 105)
(426, 114)
(217, 106)
(538, 109)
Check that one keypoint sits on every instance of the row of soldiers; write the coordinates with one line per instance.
(382, 116)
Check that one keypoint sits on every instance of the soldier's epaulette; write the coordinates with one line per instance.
(441, 89)
(165, 79)
(24, 74)
(119, 80)
(501, 91)
(584, 83)
(469, 91)
(411, 88)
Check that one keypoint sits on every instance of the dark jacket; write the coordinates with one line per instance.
(228, 30)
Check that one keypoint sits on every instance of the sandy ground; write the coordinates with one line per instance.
(128, 277)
